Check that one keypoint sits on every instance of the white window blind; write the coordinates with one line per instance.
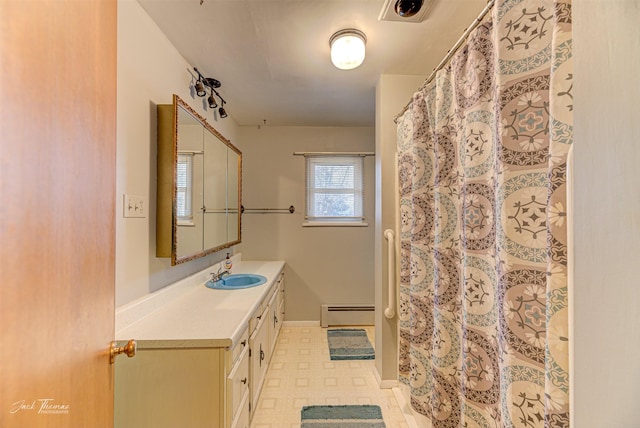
(335, 190)
(184, 181)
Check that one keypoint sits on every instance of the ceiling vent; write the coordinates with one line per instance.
(404, 10)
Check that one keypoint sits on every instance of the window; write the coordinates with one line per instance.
(184, 180)
(335, 191)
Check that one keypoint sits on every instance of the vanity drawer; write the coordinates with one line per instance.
(240, 346)
(257, 316)
(238, 382)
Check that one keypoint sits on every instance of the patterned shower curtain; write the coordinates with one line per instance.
(482, 160)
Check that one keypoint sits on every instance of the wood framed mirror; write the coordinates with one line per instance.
(199, 186)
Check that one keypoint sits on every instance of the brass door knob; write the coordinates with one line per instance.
(129, 350)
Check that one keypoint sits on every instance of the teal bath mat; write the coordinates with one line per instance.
(349, 344)
(361, 416)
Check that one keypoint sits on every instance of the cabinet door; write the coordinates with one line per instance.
(242, 419)
(280, 313)
(280, 304)
(274, 323)
(259, 343)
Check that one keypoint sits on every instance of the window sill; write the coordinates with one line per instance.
(335, 224)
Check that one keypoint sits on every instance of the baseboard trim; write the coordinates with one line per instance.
(384, 384)
(405, 407)
(388, 384)
(301, 324)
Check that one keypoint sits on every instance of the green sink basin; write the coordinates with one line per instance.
(237, 281)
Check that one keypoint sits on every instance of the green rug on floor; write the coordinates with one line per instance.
(359, 416)
(349, 344)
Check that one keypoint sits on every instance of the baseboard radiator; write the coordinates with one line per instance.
(348, 314)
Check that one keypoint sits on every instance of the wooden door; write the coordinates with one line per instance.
(57, 208)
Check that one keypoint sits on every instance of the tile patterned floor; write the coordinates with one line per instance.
(301, 373)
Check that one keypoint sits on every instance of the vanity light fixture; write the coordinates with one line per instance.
(212, 101)
(200, 87)
(212, 84)
(347, 48)
(221, 111)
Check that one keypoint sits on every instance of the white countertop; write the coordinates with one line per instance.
(188, 314)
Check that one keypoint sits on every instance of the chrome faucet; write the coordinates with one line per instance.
(218, 275)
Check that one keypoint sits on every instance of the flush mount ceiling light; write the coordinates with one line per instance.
(348, 48)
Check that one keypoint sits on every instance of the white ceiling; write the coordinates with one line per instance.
(272, 56)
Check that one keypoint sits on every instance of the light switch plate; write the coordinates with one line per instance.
(134, 206)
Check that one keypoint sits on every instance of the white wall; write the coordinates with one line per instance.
(324, 264)
(606, 291)
(150, 71)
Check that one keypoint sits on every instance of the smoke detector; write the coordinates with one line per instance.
(403, 10)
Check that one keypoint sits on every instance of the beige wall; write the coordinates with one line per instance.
(150, 71)
(324, 264)
(392, 94)
(606, 292)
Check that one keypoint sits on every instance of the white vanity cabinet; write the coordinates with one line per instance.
(184, 387)
(265, 327)
(166, 388)
(197, 382)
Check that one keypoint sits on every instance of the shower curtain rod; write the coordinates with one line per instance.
(450, 53)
